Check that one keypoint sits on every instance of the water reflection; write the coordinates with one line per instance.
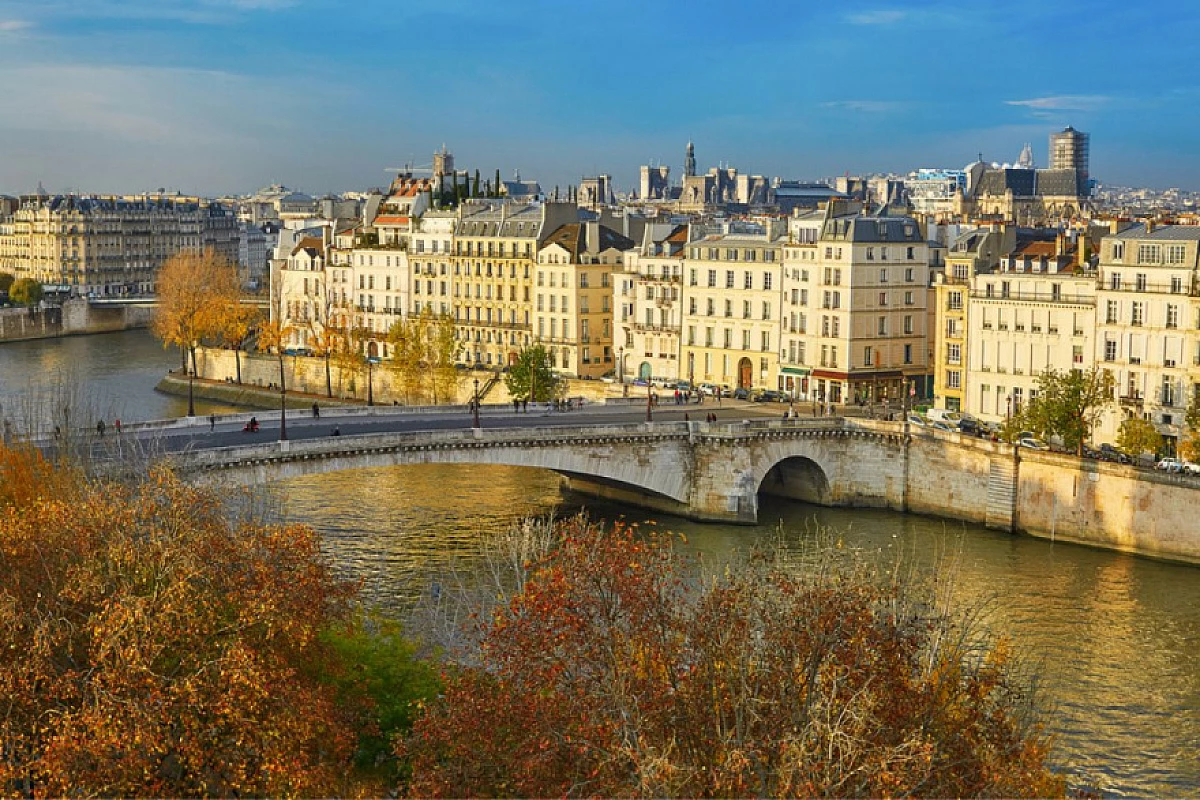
(1116, 636)
(110, 376)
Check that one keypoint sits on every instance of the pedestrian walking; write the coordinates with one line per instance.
(100, 428)
(212, 422)
(516, 406)
(316, 411)
(686, 418)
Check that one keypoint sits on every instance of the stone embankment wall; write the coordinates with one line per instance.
(72, 318)
(306, 374)
(1108, 505)
(1059, 497)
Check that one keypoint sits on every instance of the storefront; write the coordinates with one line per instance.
(794, 381)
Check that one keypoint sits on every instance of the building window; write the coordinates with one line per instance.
(1149, 254)
(1175, 253)
(767, 281)
(954, 354)
(954, 301)
(953, 379)
(748, 280)
(1111, 313)
(729, 279)
(883, 326)
(868, 356)
(1110, 350)
(908, 324)
(1077, 354)
(883, 298)
(1136, 315)
(1114, 281)
(1172, 316)
(908, 354)
(712, 278)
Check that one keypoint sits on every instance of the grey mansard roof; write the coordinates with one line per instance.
(1165, 233)
(873, 229)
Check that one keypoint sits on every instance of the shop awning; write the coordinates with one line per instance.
(802, 371)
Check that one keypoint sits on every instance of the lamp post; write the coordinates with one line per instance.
(649, 397)
(621, 364)
(370, 382)
(475, 403)
(282, 401)
(191, 373)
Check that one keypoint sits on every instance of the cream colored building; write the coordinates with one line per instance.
(648, 305)
(1035, 312)
(972, 252)
(495, 249)
(799, 262)
(866, 282)
(110, 245)
(1147, 320)
(732, 304)
(573, 296)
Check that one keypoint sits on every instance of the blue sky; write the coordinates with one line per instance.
(217, 96)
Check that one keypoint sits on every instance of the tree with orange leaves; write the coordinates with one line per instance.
(616, 672)
(194, 291)
(154, 648)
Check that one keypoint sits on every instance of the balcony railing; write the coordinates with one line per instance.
(1035, 297)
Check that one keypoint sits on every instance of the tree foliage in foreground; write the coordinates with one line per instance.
(25, 292)
(154, 648)
(614, 673)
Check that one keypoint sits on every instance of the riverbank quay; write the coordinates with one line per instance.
(246, 395)
(76, 317)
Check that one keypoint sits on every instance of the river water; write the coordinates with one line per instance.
(1116, 638)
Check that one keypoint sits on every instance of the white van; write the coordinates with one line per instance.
(942, 415)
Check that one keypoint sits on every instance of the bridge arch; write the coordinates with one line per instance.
(797, 478)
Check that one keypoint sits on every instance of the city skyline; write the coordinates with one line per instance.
(225, 96)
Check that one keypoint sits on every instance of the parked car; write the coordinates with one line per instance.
(770, 396)
(1032, 443)
(917, 419)
(1170, 464)
(938, 425)
(1111, 453)
(972, 427)
(741, 393)
(1189, 468)
(709, 389)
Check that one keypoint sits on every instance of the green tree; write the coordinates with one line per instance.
(6, 282)
(1137, 436)
(443, 350)
(25, 292)
(531, 377)
(1069, 405)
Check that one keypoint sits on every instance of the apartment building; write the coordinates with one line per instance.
(302, 291)
(971, 253)
(799, 261)
(495, 248)
(573, 296)
(1148, 312)
(647, 311)
(1035, 311)
(110, 245)
(866, 282)
(732, 296)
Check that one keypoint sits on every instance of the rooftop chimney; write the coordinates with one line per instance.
(1149, 226)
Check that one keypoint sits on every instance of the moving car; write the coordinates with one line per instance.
(1032, 443)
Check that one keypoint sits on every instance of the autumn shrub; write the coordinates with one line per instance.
(616, 671)
(151, 646)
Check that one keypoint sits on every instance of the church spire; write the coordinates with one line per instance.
(689, 161)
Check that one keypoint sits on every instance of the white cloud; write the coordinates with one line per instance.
(1064, 102)
(14, 25)
(877, 17)
(864, 106)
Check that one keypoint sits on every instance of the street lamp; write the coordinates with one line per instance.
(282, 401)
(191, 373)
(649, 397)
(370, 382)
(475, 404)
(621, 364)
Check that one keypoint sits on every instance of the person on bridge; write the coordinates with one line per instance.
(316, 411)
(100, 428)
(212, 422)
(337, 431)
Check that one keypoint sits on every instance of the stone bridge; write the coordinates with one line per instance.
(704, 471)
